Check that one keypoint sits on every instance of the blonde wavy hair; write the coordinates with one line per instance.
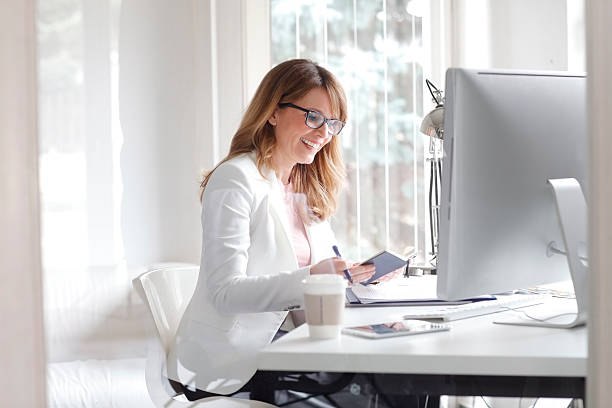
(319, 181)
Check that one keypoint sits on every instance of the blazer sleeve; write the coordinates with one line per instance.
(226, 213)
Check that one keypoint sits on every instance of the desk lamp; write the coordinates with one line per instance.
(433, 126)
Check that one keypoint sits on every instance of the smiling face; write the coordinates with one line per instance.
(295, 141)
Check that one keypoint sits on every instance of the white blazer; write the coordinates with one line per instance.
(249, 278)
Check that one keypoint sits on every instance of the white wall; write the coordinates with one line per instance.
(21, 340)
(508, 34)
(527, 34)
(186, 72)
(159, 165)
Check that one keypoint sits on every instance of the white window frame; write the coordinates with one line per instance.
(232, 55)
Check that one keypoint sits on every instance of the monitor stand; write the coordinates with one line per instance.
(572, 211)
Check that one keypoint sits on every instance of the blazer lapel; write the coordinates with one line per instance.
(278, 208)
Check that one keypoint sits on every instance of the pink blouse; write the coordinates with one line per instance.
(293, 203)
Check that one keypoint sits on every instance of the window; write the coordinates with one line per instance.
(376, 50)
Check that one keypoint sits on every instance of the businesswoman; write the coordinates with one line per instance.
(265, 212)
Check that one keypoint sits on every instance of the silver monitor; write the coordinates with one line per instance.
(505, 134)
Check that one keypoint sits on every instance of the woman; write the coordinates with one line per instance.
(265, 211)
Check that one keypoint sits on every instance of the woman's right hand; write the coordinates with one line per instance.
(335, 265)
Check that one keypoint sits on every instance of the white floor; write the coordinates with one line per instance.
(96, 330)
(97, 384)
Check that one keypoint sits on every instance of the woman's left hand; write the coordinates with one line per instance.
(361, 273)
(391, 275)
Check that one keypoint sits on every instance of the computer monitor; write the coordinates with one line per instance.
(506, 133)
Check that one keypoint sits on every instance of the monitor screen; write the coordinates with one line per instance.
(505, 134)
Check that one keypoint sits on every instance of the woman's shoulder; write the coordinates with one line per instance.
(242, 165)
(240, 170)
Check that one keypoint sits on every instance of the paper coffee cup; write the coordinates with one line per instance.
(324, 297)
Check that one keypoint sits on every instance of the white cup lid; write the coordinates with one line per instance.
(324, 284)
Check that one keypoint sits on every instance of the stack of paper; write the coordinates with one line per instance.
(416, 290)
(413, 289)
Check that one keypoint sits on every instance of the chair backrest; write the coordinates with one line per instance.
(167, 291)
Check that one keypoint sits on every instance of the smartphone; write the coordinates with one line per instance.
(393, 329)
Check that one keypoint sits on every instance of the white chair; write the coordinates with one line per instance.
(166, 291)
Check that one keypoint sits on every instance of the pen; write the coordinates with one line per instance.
(346, 271)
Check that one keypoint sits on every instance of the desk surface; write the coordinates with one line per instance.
(474, 346)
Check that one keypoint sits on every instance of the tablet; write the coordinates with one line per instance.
(393, 329)
(385, 262)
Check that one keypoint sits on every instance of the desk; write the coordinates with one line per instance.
(476, 357)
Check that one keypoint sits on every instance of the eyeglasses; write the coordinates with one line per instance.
(315, 120)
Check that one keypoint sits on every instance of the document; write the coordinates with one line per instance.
(414, 288)
(412, 291)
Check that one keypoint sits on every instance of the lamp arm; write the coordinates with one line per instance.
(435, 91)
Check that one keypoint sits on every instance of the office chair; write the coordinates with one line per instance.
(167, 292)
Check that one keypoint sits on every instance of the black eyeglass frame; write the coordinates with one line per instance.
(309, 112)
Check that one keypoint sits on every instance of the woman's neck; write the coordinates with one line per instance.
(283, 171)
(284, 177)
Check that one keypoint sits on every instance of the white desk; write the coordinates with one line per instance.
(474, 348)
